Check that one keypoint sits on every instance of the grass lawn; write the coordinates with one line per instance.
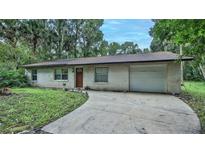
(31, 108)
(197, 100)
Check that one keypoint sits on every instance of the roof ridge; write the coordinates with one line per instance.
(71, 59)
(128, 54)
(123, 58)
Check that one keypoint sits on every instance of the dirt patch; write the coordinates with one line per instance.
(198, 106)
(5, 91)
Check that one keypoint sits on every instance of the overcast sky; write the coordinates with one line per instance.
(121, 30)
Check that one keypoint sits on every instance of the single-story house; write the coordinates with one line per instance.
(145, 72)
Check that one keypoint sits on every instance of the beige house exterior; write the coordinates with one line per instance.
(158, 76)
(118, 77)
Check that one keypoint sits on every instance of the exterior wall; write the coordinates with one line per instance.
(118, 77)
(174, 77)
(150, 77)
(45, 78)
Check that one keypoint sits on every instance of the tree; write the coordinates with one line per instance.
(10, 31)
(54, 39)
(145, 50)
(83, 37)
(13, 51)
(58, 30)
(130, 48)
(104, 48)
(28, 41)
(11, 58)
(92, 36)
(159, 44)
(33, 33)
(189, 33)
(114, 48)
(183, 32)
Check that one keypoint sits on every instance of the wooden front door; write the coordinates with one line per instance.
(79, 77)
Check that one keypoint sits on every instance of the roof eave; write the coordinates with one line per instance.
(63, 65)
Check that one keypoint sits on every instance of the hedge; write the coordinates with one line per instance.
(12, 78)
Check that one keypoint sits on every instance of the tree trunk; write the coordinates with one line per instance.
(76, 42)
(34, 44)
(202, 70)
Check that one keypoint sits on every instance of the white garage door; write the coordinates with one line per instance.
(148, 78)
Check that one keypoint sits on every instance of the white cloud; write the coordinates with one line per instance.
(114, 22)
(128, 30)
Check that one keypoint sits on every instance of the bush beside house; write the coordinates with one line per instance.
(12, 78)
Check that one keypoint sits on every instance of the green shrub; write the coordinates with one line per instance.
(192, 72)
(12, 78)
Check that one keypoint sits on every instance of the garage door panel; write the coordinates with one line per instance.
(148, 79)
(154, 68)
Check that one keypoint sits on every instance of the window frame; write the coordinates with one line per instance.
(32, 75)
(61, 74)
(96, 74)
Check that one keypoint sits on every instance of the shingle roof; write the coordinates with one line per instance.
(126, 58)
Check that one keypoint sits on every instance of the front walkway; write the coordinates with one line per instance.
(116, 112)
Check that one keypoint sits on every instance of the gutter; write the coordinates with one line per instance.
(61, 65)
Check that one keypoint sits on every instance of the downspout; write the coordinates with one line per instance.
(181, 53)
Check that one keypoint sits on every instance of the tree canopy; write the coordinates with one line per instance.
(170, 34)
(188, 33)
(29, 40)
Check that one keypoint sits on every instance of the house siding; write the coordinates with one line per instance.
(118, 77)
(174, 77)
(45, 78)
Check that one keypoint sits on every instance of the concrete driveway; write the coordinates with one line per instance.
(116, 112)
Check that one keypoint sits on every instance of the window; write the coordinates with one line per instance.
(101, 74)
(34, 75)
(64, 74)
(61, 74)
(58, 74)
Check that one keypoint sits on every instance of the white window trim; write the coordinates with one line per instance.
(36, 75)
(61, 80)
(105, 82)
